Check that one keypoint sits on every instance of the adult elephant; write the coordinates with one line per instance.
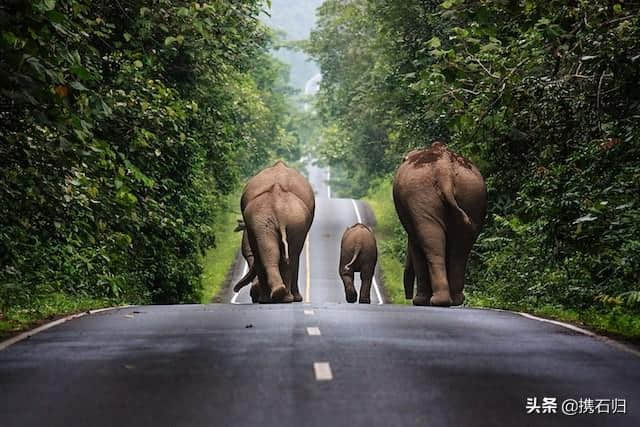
(441, 200)
(277, 206)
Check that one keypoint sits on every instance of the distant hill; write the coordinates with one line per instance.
(295, 18)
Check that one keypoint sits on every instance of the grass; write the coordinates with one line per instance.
(620, 321)
(46, 308)
(387, 225)
(219, 259)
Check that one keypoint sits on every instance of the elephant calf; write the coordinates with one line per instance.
(358, 252)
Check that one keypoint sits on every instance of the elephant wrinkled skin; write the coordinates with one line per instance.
(358, 253)
(441, 201)
(277, 205)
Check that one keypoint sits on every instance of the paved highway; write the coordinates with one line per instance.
(321, 363)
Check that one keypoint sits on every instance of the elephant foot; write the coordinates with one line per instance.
(351, 294)
(264, 299)
(457, 299)
(421, 300)
(278, 294)
(297, 297)
(441, 299)
(364, 300)
(281, 294)
(255, 293)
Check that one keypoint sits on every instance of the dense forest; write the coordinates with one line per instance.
(128, 127)
(125, 127)
(542, 96)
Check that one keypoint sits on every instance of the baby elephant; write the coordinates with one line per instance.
(358, 252)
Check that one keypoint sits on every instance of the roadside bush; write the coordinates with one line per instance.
(123, 125)
(541, 96)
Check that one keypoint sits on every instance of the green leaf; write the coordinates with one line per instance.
(448, 4)
(48, 4)
(78, 86)
(81, 72)
(137, 63)
(586, 218)
(434, 43)
(105, 108)
(56, 16)
(127, 36)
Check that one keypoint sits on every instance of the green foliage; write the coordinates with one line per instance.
(542, 96)
(217, 261)
(46, 308)
(123, 126)
(391, 239)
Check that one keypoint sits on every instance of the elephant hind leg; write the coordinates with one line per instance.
(432, 240)
(409, 276)
(455, 272)
(350, 292)
(366, 277)
(268, 251)
(264, 293)
(458, 249)
(295, 290)
(423, 282)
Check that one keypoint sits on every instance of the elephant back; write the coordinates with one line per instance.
(289, 179)
(431, 178)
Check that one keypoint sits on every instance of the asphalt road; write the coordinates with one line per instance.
(322, 363)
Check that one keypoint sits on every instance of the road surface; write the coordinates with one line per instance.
(321, 363)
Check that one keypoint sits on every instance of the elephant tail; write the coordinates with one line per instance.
(356, 253)
(285, 244)
(446, 186)
(247, 278)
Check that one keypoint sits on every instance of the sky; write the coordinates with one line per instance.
(295, 18)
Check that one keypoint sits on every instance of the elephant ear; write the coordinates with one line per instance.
(241, 226)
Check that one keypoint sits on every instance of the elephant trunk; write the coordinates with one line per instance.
(251, 274)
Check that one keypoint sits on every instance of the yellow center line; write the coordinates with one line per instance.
(307, 293)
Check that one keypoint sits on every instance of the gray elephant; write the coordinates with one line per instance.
(277, 206)
(358, 252)
(441, 200)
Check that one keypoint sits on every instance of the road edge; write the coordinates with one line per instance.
(31, 332)
(606, 340)
(225, 293)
